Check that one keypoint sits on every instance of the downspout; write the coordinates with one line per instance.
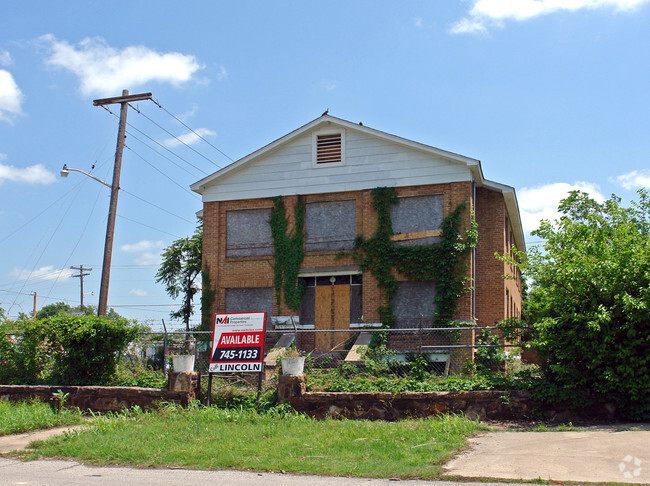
(474, 256)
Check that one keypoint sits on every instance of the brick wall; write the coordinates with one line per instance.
(491, 287)
(258, 271)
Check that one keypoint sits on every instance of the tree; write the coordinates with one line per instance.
(590, 300)
(59, 308)
(180, 267)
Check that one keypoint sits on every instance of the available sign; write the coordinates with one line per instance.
(238, 342)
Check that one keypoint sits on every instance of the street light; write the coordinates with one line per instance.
(108, 246)
(66, 171)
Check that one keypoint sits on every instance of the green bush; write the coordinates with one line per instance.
(65, 350)
(590, 302)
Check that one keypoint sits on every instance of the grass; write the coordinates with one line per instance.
(342, 380)
(213, 438)
(33, 415)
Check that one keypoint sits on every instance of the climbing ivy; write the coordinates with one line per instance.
(288, 253)
(440, 262)
(208, 297)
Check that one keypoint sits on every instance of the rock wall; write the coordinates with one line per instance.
(481, 404)
(182, 388)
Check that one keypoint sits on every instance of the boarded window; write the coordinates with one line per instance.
(308, 306)
(258, 299)
(330, 226)
(328, 148)
(248, 233)
(414, 301)
(416, 214)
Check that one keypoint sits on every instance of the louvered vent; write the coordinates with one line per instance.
(328, 148)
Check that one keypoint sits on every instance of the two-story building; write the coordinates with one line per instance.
(332, 165)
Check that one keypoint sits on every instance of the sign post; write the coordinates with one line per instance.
(238, 345)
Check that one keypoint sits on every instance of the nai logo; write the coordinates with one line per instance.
(223, 320)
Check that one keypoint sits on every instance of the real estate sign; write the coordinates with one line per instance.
(238, 342)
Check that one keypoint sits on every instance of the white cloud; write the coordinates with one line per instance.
(541, 202)
(188, 138)
(43, 273)
(418, 22)
(10, 97)
(141, 246)
(5, 58)
(139, 292)
(102, 69)
(148, 258)
(189, 114)
(222, 74)
(486, 13)
(634, 180)
(328, 85)
(34, 174)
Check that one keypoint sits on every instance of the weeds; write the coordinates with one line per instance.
(33, 415)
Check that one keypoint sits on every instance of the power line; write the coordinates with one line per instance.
(184, 169)
(156, 206)
(167, 149)
(195, 133)
(196, 196)
(150, 227)
(181, 141)
(156, 142)
(83, 231)
(48, 243)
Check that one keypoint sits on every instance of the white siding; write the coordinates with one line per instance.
(369, 162)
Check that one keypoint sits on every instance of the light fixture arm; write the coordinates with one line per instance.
(66, 170)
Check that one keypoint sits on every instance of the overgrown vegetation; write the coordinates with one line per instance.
(212, 438)
(440, 262)
(33, 415)
(65, 350)
(180, 267)
(288, 253)
(208, 296)
(589, 302)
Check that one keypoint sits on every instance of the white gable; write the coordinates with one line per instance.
(370, 160)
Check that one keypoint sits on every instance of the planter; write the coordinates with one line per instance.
(183, 362)
(293, 366)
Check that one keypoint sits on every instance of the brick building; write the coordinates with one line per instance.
(333, 165)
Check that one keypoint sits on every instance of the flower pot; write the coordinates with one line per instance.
(183, 362)
(293, 366)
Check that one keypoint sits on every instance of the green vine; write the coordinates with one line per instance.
(208, 297)
(288, 252)
(440, 262)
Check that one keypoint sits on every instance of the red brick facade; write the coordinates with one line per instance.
(493, 298)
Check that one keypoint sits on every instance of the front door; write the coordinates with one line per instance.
(332, 312)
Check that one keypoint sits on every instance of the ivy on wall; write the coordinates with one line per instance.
(440, 262)
(208, 297)
(288, 253)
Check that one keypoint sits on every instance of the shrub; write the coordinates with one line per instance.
(65, 350)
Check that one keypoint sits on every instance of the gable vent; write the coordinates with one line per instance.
(328, 148)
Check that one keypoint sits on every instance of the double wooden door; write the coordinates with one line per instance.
(332, 311)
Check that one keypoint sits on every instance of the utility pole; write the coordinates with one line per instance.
(34, 313)
(81, 281)
(115, 187)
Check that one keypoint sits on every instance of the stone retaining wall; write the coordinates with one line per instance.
(487, 405)
(182, 388)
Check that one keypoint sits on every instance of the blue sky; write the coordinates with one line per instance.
(550, 95)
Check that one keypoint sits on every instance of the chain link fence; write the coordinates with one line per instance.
(413, 347)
